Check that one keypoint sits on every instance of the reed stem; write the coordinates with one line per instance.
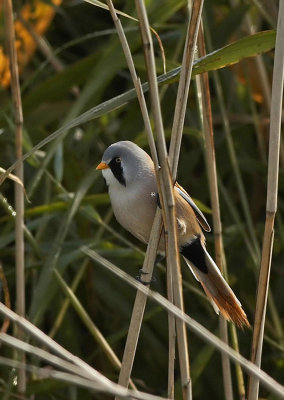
(19, 193)
(271, 203)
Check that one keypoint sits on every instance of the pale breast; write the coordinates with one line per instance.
(134, 210)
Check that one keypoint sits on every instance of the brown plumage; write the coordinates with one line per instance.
(130, 176)
(227, 303)
(220, 293)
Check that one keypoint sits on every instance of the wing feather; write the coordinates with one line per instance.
(199, 215)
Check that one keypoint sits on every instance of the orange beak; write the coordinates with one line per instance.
(102, 165)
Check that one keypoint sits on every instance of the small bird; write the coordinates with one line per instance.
(130, 176)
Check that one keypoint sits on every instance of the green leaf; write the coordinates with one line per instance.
(235, 52)
(231, 54)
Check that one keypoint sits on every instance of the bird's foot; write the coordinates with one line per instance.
(139, 277)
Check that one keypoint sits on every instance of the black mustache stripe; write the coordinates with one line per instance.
(117, 170)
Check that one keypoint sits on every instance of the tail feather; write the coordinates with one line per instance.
(217, 289)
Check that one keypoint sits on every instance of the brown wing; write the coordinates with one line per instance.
(199, 215)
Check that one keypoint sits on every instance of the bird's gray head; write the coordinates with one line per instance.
(123, 162)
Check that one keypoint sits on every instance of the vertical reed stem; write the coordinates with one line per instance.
(19, 193)
(212, 176)
(168, 203)
(271, 205)
(184, 83)
(148, 265)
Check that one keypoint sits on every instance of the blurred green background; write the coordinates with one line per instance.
(67, 208)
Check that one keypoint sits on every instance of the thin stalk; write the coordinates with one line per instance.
(150, 138)
(19, 193)
(149, 261)
(82, 368)
(213, 185)
(172, 338)
(271, 204)
(271, 384)
(226, 366)
(168, 202)
(234, 160)
(95, 332)
(184, 83)
(77, 279)
(239, 372)
(137, 84)
(176, 137)
(236, 169)
(261, 302)
(250, 239)
(139, 305)
(96, 382)
(67, 301)
(266, 90)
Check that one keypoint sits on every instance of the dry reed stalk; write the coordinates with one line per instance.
(214, 195)
(137, 84)
(139, 305)
(267, 381)
(266, 90)
(182, 98)
(93, 329)
(63, 358)
(177, 129)
(251, 245)
(234, 161)
(166, 196)
(141, 300)
(73, 374)
(271, 204)
(149, 261)
(176, 135)
(172, 338)
(174, 150)
(72, 380)
(239, 372)
(19, 193)
(184, 83)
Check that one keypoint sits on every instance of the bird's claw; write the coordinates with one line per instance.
(139, 277)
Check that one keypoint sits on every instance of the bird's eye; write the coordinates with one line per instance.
(118, 160)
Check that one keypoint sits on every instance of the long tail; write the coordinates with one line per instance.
(216, 288)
